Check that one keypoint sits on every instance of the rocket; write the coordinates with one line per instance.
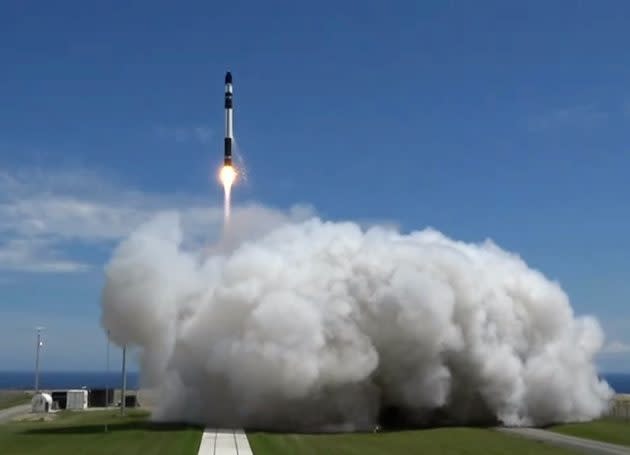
(229, 134)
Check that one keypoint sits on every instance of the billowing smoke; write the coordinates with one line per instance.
(313, 325)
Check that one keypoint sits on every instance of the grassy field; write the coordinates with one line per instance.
(445, 441)
(84, 433)
(9, 398)
(615, 431)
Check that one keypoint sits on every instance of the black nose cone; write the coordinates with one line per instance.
(228, 78)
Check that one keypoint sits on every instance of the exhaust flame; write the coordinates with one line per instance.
(227, 177)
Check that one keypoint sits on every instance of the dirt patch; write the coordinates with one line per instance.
(36, 417)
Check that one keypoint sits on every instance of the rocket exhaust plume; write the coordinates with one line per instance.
(314, 325)
(227, 177)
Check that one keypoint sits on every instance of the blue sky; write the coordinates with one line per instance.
(484, 120)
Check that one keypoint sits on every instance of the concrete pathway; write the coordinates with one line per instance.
(582, 445)
(224, 442)
(9, 413)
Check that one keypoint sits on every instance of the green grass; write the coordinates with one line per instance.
(615, 431)
(443, 441)
(10, 398)
(79, 433)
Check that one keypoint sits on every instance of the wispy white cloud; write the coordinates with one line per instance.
(581, 116)
(35, 255)
(43, 214)
(183, 134)
(616, 347)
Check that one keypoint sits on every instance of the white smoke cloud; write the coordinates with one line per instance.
(305, 324)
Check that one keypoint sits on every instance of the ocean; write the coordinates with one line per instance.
(620, 382)
(51, 380)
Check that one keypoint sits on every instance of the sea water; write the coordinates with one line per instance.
(49, 380)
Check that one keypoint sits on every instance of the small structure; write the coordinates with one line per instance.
(100, 398)
(60, 397)
(131, 401)
(42, 402)
(77, 399)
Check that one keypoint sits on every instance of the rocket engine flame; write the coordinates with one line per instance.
(227, 177)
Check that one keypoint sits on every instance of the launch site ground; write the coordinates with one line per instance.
(106, 432)
(9, 398)
(97, 432)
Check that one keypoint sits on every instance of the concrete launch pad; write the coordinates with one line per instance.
(224, 442)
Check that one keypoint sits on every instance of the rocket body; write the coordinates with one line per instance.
(229, 133)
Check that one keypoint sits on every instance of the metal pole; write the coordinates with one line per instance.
(124, 380)
(39, 345)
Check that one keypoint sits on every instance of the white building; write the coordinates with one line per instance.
(42, 402)
(77, 399)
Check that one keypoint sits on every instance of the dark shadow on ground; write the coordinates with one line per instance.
(396, 419)
(113, 427)
(381, 430)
